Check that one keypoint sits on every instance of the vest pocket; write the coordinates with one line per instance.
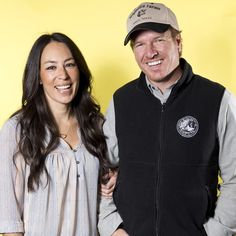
(209, 204)
(208, 207)
(188, 196)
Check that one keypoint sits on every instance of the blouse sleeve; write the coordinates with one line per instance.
(11, 181)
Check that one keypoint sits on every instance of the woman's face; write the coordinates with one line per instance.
(59, 74)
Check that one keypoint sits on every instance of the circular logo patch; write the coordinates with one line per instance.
(187, 126)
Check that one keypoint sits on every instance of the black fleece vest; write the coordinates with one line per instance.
(167, 182)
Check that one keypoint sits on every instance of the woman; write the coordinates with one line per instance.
(51, 149)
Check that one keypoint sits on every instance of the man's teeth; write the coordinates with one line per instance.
(63, 86)
(154, 63)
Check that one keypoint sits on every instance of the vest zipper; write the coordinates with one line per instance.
(158, 171)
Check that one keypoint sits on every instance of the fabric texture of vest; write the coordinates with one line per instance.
(168, 175)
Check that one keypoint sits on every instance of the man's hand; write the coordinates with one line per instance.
(108, 188)
(120, 232)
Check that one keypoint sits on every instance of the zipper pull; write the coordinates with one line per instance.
(163, 107)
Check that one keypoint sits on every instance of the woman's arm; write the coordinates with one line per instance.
(12, 173)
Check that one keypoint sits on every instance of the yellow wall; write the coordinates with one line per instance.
(98, 28)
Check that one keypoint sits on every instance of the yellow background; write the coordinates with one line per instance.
(98, 28)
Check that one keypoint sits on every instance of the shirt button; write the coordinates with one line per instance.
(77, 162)
(78, 175)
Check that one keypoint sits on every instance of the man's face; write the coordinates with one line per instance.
(157, 55)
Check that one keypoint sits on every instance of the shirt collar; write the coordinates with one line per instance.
(152, 88)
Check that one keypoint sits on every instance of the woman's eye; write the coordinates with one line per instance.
(71, 64)
(51, 68)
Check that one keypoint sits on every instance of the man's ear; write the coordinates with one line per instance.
(179, 42)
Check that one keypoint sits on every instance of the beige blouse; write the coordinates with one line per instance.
(65, 206)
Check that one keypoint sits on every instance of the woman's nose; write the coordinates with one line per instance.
(63, 74)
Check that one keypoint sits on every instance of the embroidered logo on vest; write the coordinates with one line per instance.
(187, 126)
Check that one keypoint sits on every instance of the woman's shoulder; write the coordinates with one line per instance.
(11, 124)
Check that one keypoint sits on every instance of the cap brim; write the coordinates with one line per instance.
(157, 27)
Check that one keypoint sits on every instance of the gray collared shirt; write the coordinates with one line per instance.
(224, 221)
(162, 96)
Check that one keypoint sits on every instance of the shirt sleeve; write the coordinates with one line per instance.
(11, 182)
(224, 221)
(108, 217)
(110, 132)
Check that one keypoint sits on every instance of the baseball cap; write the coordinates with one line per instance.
(150, 16)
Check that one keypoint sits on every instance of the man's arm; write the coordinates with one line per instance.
(224, 221)
(109, 219)
(110, 132)
(108, 188)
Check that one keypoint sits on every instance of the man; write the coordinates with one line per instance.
(171, 132)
